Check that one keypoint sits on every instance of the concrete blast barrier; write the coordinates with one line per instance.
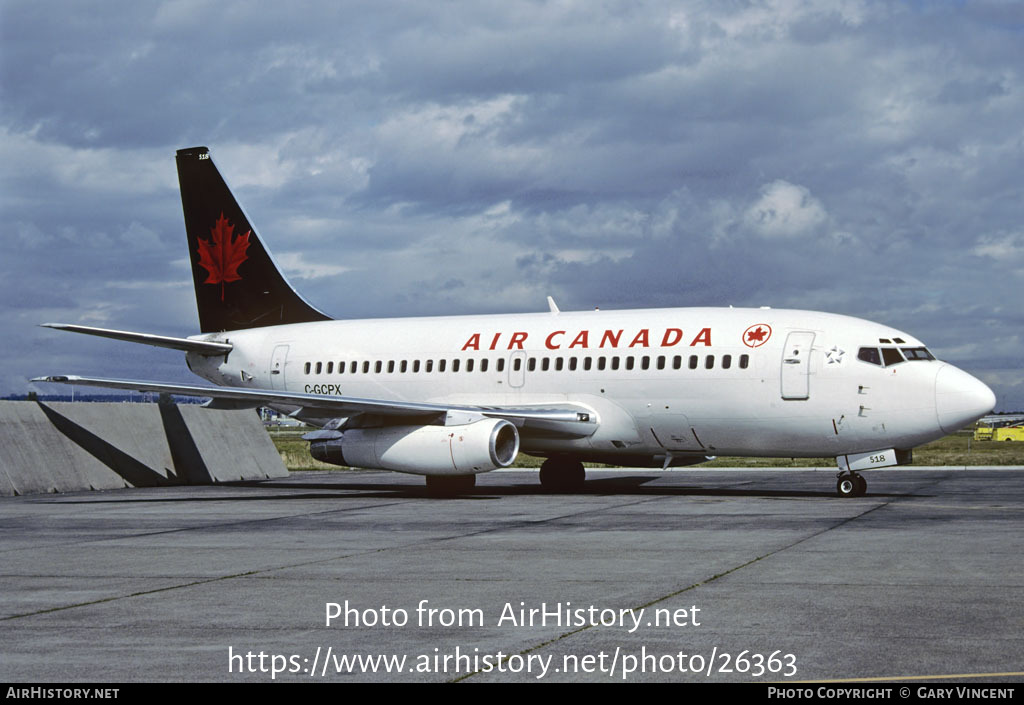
(66, 447)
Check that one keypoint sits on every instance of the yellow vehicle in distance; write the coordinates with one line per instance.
(995, 429)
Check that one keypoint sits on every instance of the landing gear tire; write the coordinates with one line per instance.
(562, 475)
(862, 485)
(851, 485)
(450, 485)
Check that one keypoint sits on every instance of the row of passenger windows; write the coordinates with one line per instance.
(543, 364)
(892, 356)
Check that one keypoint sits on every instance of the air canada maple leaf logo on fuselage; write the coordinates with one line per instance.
(757, 335)
(223, 253)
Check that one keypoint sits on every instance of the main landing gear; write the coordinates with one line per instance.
(851, 484)
(562, 474)
(449, 485)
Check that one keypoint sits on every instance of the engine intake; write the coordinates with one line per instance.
(424, 450)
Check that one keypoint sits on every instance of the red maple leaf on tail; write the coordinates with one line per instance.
(222, 254)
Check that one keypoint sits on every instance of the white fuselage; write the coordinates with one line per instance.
(691, 381)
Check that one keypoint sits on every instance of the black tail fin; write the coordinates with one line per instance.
(238, 285)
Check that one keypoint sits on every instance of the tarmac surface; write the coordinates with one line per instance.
(762, 576)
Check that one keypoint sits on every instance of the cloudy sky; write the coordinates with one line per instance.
(432, 158)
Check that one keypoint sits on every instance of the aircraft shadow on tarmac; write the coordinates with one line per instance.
(625, 485)
(631, 485)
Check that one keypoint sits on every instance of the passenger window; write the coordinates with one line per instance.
(341, 368)
(645, 362)
(377, 366)
(744, 361)
(558, 364)
(693, 362)
(573, 361)
(531, 364)
(429, 366)
(330, 367)
(869, 355)
(545, 364)
(455, 366)
(517, 364)
(415, 365)
(586, 363)
(891, 356)
(709, 362)
(469, 365)
(354, 367)
(319, 367)
(501, 364)
(366, 367)
(615, 362)
(661, 362)
(307, 368)
(677, 362)
(404, 367)
(726, 361)
(483, 365)
(601, 362)
(630, 362)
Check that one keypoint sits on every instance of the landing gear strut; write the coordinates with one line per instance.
(449, 485)
(562, 474)
(851, 484)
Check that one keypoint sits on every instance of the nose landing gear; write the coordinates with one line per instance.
(851, 484)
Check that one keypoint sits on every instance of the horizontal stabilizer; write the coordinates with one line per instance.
(202, 347)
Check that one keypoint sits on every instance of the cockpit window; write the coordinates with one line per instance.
(891, 356)
(917, 354)
(869, 355)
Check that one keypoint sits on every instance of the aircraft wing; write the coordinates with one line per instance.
(565, 421)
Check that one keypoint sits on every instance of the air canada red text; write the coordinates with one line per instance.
(587, 339)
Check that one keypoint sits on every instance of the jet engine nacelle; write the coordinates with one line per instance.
(425, 450)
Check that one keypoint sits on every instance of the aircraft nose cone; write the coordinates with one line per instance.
(960, 398)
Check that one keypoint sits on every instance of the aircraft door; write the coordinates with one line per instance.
(672, 431)
(517, 369)
(796, 367)
(277, 363)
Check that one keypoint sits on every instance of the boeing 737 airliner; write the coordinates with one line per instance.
(450, 397)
